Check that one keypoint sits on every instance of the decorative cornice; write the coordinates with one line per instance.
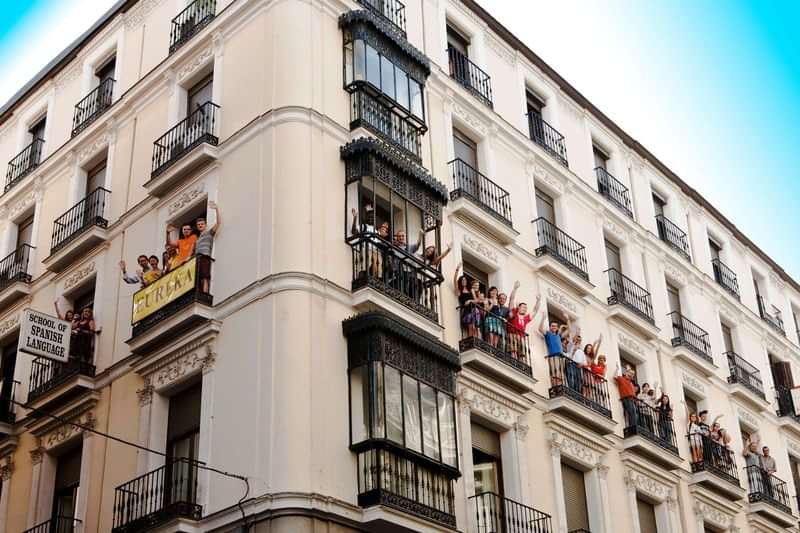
(481, 248)
(645, 484)
(136, 16)
(9, 324)
(80, 274)
(186, 198)
(195, 63)
(488, 407)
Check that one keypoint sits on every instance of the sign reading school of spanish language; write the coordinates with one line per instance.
(164, 290)
(44, 335)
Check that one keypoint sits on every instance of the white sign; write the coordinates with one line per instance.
(44, 335)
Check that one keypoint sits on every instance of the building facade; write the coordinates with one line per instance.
(330, 376)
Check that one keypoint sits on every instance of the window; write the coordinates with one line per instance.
(658, 205)
(727, 338)
(794, 466)
(626, 362)
(715, 249)
(534, 106)
(106, 71)
(533, 103)
(486, 464)
(472, 272)
(183, 438)
(756, 286)
(37, 129)
(96, 177)
(673, 298)
(613, 256)
(65, 494)
(457, 41)
(25, 232)
(600, 158)
(8, 363)
(781, 373)
(574, 498)
(465, 149)
(545, 207)
(691, 402)
(199, 94)
(647, 516)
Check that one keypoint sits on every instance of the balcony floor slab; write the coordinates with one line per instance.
(711, 481)
(169, 179)
(62, 258)
(368, 299)
(624, 315)
(484, 218)
(13, 292)
(774, 514)
(489, 365)
(648, 449)
(748, 397)
(187, 318)
(561, 274)
(572, 409)
(687, 356)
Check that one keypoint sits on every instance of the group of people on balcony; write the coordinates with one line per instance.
(760, 467)
(84, 329)
(646, 410)
(710, 444)
(193, 241)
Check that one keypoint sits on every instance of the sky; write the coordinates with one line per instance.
(711, 88)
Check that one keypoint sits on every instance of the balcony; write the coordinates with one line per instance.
(8, 409)
(769, 496)
(726, 278)
(383, 117)
(78, 230)
(547, 137)
(470, 76)
(58, 524)
(67, 379)
(15, 277)
(498, 349)
(92, 106)
(674, 236)
(562, 256)
(481, 201)
(631, 303)
(580, 394)
(788, 416)
(745, 381)
(190, 21)
(173, 304)
(714, 466)
(770, 316)
(614, 191)
(383, 272)
(392, 12)
(651, 435)
(691, 343)
(165, 494)
(191, 143)
(495, 514)
(24, 163)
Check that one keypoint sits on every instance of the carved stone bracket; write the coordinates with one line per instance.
(6, 468)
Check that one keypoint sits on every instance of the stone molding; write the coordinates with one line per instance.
(79, 275)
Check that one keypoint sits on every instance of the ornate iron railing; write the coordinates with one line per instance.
(23, 163)
(773, 318)
(710, 456)
(614, 191)
(497, 337)
(92, 106)
(47, 374)
(497, 514)
(687, 333)
(562, 247)
(579, 384)
(163, 494)
(198, 128)
(57, 524)
(547, 137)
(648, 422)
(627, 292)
(765, 487)
(470, 76)
(14, 266)
(471, 184)
(375, 115)
(744, 373)
(392, 11)
(674, 236)
(785, 402)
(8, 409)
(191, 20)
(87, 213)
(725, 277)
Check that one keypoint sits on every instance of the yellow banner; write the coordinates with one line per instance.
(164, 290)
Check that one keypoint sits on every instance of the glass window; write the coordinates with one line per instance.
(377, 395)
(359, 55)
(373, 66)
(359, 400)
(415, 90)
(387, 77)
(411, 406)
(402, 88)
(447, 427)
(394, 405)
(430, 425)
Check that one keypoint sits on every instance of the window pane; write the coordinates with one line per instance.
(376, 400)
(359, 400)
(348, 63)
(402, 88)
(360, 66)
(416, 98)
(411, 405)
(447, 426)
(394, 405)
(373, 66)
(430, 426)
(387, 77)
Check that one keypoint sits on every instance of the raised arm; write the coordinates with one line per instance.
(541, 324)
(218, 221)
(455, 280)
(717, 419)
(617, 372)
(58, 312)
(513, 295)
(597, 344)
(537, 304)
(438, 261)
(170, 229)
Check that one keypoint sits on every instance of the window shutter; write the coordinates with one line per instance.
(574, 498)
(485, 440)
(184, 412)
(647, 517)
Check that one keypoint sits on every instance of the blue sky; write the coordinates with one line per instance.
(712, 88)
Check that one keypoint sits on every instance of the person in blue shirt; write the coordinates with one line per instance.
(553, 338)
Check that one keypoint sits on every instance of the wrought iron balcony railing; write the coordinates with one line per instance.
(92, 106)
(495, 514)
(725, 277)
(47, 374)
(377, 116)
(198, 128)
(579, 384)
(687, 333)
(627, 292)
(471, 184)
(547, 137)
(614, 191)
(745, 374)
(14, 266)
(392, 11)
(191, 20)
(562, 247)
(8, 409)
(651, 425)
(785, 403)
(710, 456)
(766, 487)
(57, 524)
(773, 317)
(470, 76)
(497, 337)
(163, 494)
(24, 163)
(396, 272)
(674, 236)
(87, 213)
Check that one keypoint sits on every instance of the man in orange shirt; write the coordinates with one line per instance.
(184, 245)
(627, 393)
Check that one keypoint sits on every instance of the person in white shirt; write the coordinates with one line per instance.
(580, 361)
